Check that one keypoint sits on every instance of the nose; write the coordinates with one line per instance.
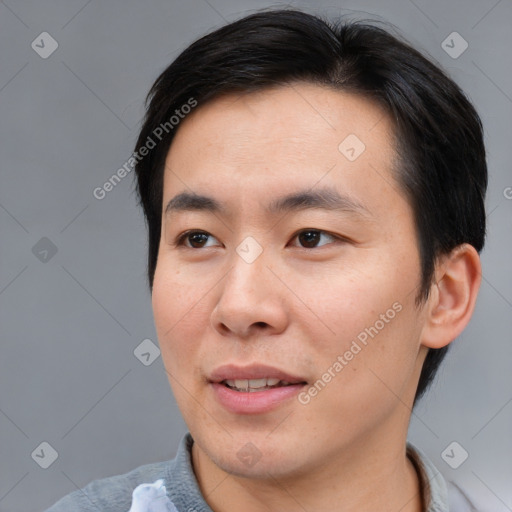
(252, 301)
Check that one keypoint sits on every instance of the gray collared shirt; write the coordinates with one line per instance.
(114, 494)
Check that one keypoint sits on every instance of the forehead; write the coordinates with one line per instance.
(305, 114)
(294, 135)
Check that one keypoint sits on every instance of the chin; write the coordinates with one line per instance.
(256, 456)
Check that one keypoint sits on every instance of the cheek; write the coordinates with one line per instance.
(340, 302)
(369, 319)
(179, 312)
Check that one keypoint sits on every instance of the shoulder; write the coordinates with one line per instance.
(111, 494)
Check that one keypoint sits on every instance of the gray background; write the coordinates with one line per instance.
(70, 322)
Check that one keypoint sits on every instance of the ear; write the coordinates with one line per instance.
(452, 296)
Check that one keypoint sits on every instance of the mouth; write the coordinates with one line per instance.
(255, 385)
(254, 377)
(254, 389)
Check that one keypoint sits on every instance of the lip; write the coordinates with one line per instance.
(253, 371)
(255, 402)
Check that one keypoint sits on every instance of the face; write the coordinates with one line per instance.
(288, 251)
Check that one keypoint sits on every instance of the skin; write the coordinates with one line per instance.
(298, 308)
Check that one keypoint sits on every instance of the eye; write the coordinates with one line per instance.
(310, 238)
(195, 239)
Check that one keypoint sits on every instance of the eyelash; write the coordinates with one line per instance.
(181, 239)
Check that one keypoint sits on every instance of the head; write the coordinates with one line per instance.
(281, 104)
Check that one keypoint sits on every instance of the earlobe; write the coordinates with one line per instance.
(453, 296)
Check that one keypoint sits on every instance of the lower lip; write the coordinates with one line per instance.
(254, 402)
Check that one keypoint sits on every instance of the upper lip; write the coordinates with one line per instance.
(253, 371)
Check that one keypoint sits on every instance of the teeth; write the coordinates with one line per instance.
(250, 384)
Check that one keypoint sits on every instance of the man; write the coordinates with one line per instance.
(314, 197)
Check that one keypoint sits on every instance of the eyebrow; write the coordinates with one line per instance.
(324, 198)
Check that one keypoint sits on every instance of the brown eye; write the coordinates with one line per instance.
(310, 238)
(195, 239)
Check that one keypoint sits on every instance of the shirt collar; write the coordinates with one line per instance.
(181, 483)
(434, 493)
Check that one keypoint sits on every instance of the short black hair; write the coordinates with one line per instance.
(438, 133)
